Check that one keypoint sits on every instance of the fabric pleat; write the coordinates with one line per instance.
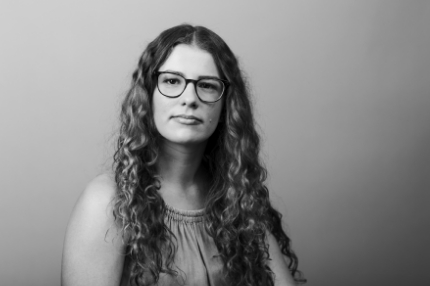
(196, 260)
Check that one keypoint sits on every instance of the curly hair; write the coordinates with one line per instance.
(239, 213)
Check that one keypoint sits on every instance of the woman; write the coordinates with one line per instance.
(187, 204)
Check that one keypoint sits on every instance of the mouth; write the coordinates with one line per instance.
(187, 119)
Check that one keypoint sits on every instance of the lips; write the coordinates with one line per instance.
(187, 119)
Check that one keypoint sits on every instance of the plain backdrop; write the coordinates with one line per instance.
(342, 98)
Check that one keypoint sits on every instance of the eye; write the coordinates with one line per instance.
(171, 81)
(206, 85)
(209, 85)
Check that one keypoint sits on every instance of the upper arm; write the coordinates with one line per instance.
(93, 252)
(278, 264)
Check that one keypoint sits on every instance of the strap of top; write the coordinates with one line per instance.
(185, 215)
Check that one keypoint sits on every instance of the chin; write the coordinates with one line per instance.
(190, 139)
(186, 135)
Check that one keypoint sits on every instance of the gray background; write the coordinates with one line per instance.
(342, 96)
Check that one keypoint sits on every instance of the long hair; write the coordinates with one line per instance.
(238, 210)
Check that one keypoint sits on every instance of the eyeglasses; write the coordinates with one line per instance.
(208, 89)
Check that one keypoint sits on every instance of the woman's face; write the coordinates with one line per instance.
(186, 119)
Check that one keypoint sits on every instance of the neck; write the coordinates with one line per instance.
(184, 182)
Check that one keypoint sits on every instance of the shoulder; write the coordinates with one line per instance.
(99, 191)
(94, 207)
(93, 247)
(96, 199)
(277, 263)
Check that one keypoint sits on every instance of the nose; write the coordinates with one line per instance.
(189, 96)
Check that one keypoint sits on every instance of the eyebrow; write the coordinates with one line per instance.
(183, 75)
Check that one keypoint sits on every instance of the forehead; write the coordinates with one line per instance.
(191, 61)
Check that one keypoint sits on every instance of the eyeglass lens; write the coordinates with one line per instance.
(173, 85)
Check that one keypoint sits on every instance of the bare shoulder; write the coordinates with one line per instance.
(101, 190)
(278, 264)
(95, 202)
(93, 249)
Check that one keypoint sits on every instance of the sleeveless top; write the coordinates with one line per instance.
(196, 259)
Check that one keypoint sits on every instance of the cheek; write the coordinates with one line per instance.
(215, 115)
(159, 111)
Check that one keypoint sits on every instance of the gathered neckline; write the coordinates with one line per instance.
(185, 215)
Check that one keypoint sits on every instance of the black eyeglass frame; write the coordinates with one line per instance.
(225, 82)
